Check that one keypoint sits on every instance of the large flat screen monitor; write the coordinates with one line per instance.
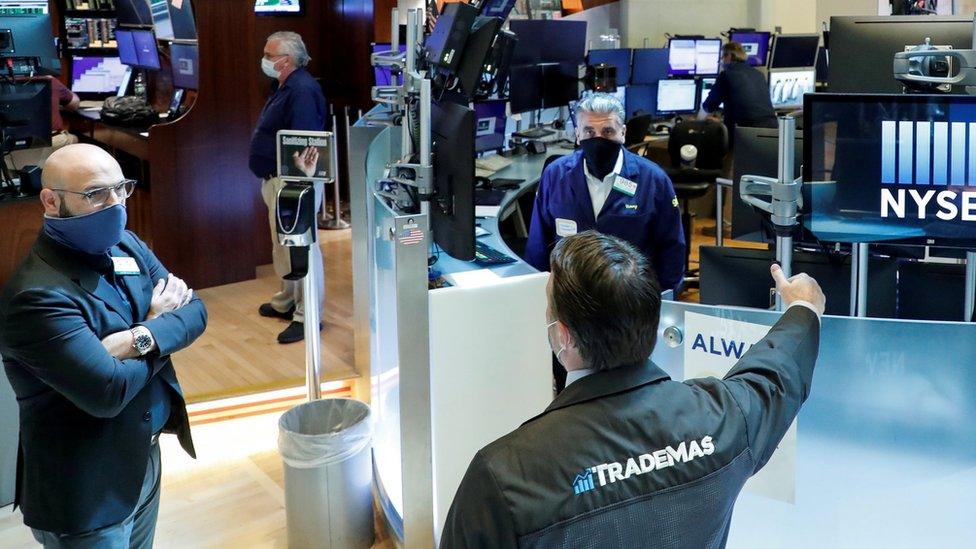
(560, 85)
(756, 44)
(497, 8)
(862, 49)
(490, 129)
(650, 65)
(162, 24)
(705, 86)
(694, 56)
(787, 87)
(32, 36)
(544, 41)
(452, 207)
(186, 65)
(181, 16)
(640, 100)
(525, 88)
(137, 48)
(619, 58)
(277, 7)
(96, 75)
(892, 168)
(677, 96)
(795, 50)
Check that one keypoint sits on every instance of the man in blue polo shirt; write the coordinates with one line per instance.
(297, 103)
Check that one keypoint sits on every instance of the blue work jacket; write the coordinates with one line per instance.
(650, 220)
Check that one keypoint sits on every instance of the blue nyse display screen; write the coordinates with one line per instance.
(892, 168)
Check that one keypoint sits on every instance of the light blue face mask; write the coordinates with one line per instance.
(551, 346)
(93, 233)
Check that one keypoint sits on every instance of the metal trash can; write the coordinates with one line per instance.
(325, 445)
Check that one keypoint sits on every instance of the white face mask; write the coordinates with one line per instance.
(551, 346)
(268, 67)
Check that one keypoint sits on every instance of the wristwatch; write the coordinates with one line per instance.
(142, 340)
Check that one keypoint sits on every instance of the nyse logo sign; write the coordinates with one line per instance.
(928, 165)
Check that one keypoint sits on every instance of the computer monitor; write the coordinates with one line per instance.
(548, 41)
(694, 56)
(473, 63)
(525, 88)
(137, 48)
(787, 87)
(490, 125)
(25, 114)
(757, 153)
(794, 51)
(383, 76)
(497, 8)
(650, 65)
(135, 13)
(278, 7)
(97, 75)
(862, 49)
(560, 84)
(186, 65)
(756, 44)
(162, 24)
(641, 100)
(452, 207)
(891, 168)
(619, 58)
(705, 86)
(677, 96)
(33, 36)
(181, 16)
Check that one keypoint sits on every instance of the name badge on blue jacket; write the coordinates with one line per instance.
(625, 186)
(125, 266)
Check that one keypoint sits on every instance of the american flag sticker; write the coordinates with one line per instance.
(409, 237)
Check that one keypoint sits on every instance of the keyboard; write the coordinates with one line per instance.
(534, 133)
(91, 105)
(486, 255)
(487, 165)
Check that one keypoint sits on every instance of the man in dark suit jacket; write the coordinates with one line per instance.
(741, 91)
(87, 327)
(624, 456)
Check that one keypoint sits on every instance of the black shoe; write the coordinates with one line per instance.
(294, 332)
(267, 310)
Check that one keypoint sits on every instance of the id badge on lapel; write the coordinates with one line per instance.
(125, 266)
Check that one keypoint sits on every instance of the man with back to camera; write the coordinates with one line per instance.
(565, 479)
(87, 327)
(297, 103)
(605, 187)
(742, 91)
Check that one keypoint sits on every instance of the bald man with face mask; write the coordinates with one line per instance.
(87, 327)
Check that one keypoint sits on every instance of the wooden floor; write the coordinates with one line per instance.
(239, 354)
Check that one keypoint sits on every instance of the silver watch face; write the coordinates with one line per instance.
(143, 342)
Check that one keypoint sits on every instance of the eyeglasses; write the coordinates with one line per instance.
(99, 197)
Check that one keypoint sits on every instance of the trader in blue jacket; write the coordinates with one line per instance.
(606, 188)
(87, 327)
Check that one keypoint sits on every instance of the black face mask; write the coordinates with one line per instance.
(601, 155)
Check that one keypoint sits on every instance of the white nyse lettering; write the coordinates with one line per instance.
(888, 200)
(969, 206)
(948, 210)
(921, 201)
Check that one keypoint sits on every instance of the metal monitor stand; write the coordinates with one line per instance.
(785, 199)
(860, 252)
(970, 286)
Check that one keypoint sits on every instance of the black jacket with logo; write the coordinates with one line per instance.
(745, 93)
(630, 458)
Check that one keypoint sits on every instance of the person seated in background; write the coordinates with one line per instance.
(625, 456)
(61, 98)
(742, 91)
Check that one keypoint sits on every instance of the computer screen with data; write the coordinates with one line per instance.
(786, 87)
(186, 70)
(96, 75)
(677, 96)
(705, 86)
(694, 56)
(891, 168)
(755, 43)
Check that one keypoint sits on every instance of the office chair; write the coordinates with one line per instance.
(637, 128)
(712, 140)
